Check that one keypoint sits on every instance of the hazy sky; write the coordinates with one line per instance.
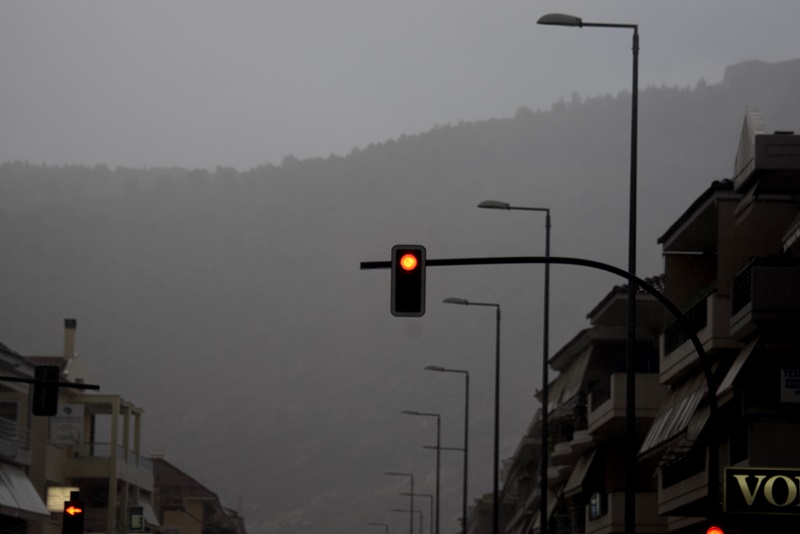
(202, 83)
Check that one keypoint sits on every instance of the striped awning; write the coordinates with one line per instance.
(18, 497)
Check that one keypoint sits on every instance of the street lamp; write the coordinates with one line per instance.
(384, 525)
(497, 205)
(495, 486)
(438, 443)
(557, 19)
(429, 496)
(466, 439)
(410, 515)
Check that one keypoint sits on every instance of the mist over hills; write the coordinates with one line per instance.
(230, 305)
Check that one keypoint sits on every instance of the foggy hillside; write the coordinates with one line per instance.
(230, 305)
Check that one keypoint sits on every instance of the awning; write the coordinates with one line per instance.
(149, 514)
(18, 498)
(678, 408)
(738, 363)
(567, 385)
(573, 485)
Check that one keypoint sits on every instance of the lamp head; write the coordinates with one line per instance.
(559, 19)
(494, 205)
(454, 300)
(434, 368)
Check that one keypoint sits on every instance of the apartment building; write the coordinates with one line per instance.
(732, 263)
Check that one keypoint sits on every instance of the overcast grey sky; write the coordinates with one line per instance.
(202, 83)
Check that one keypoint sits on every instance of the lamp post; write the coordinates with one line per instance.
(466, 439)
(384, 525)
(557, 19)
(545, 451)
(495, 482)
(429, 496)
(438, 453)
(411, 514)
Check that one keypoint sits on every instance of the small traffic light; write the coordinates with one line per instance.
(45, 390)
(715, 530)
(74, 510)
(408, 280)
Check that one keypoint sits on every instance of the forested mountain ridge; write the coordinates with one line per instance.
(229, 304)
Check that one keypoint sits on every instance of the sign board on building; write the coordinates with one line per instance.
(136, 519)
(57, 495)
(790, 385)
(762, 490)
(66, 427)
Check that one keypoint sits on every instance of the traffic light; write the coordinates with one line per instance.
(45, 390)
(715, 530)
(74, 510)
(408, 280)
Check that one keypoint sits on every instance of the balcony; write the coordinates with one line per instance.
(764, 296)
(608, 399)
(15, 443)
(95, 460)
(606, 513)
(709, 318)
(683, 484)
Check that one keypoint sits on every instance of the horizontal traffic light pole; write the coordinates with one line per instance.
(59, 384)
(713, 475)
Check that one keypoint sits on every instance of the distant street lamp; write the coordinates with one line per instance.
(545, 451)
(410, 515)
(429, 496)
(557, 19)
(438, 453)
(466, 439)
(402, 510)
(496, 481)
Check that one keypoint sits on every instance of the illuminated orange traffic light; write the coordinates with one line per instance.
(715, 530)
(409, 262)
(72, 522)
(408, 281)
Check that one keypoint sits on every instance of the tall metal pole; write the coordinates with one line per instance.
(630, 401)
(438, 454)
(558, 19)
(545, 451)
(496, 471)
(411, 513)
(466, 457)
(466, 439)
(496, 487)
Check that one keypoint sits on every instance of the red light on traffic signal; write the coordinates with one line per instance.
(409, 262)
(715, 530)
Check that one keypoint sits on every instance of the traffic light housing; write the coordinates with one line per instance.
(74, 510)
(45, 390)
(408, 281)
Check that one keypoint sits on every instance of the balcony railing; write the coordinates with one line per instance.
(103, 450)
(697, 316)
(765, 293)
